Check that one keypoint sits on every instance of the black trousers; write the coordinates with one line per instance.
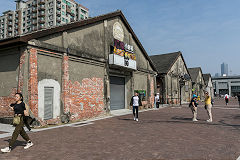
(135, 108)
(26, 122)
(226, 100)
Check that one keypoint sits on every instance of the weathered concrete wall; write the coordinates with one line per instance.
(49, 67)
(144, 81)
(79, 70)
(140, 81)
(91, 40)
(54, 39)
(10, 80)
(9, 67)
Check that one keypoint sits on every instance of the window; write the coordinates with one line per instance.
(63, 19)
(24, 13)
(66, 20)
(23, 30)
(235, 82)
(51, 23)
(83, 11)
(50, 11)
(63, 13)
(24, 18)
(50, 4)
(63, 6)
(69, 4)
(50, 17)
(82, 17)
(23, 24)
(41, 24)
(64, 1)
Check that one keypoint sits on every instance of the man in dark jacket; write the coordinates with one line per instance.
(135, 103)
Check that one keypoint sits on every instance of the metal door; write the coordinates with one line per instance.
(48, 103)
(117, 93)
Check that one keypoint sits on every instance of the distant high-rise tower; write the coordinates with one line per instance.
(224, 69)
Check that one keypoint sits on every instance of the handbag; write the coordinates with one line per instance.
(16, 120)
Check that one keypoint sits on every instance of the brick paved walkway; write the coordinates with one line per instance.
(167, 134)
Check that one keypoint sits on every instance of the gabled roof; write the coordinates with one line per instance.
(164, 62)
(206, 77)
(194, 73)
(23, 39)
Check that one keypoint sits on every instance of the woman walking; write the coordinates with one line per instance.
(135, 103)
(208, 106)
(18, 108)
(193, 105)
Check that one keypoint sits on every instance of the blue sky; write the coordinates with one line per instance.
(207, 32)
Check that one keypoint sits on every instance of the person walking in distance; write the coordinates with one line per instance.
(238, 96)
(226, 97)
(18, 107)
(193, 105)
(157, 100)
(208, 106)
(135, 103)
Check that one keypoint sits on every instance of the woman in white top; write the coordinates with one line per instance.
(135, 103)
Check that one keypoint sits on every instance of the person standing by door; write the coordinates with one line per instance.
(18, 107)
(135, 103)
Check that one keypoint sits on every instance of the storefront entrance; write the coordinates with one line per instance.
(117, 93)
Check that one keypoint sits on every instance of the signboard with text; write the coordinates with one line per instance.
(122, 54)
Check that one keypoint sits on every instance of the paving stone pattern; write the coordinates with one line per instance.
(164, 134)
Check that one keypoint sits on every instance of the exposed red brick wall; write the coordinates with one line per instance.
(20, 74)
(5, 110)
(151, 98)
(33, 82)
(85, 99)
(65, 80)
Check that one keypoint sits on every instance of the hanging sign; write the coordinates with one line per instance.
(122, 54)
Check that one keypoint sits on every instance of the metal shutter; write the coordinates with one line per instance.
(117, 93)
(48, 103)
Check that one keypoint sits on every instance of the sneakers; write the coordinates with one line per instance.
(134, 119)
(194, 120)
(29, 144)
(6, 150)
(209, 120)
(137, 119)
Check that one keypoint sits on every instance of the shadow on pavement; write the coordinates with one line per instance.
(17, 143)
